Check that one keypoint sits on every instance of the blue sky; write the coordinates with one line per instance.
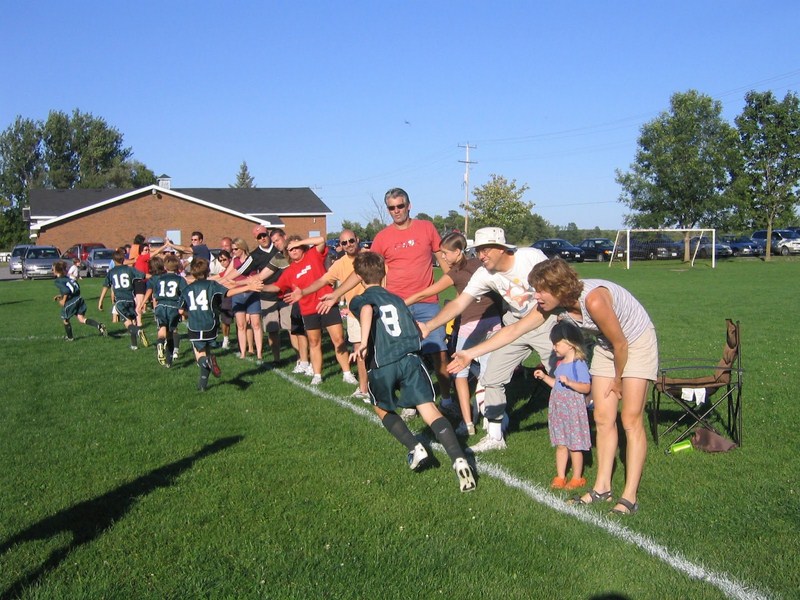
(353, 98)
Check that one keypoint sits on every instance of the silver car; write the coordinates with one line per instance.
(38, 261)
(15, 262)
(98, 262)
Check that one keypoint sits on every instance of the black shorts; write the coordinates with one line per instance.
(318, 321)
(407, 376)
(297, 320)
(139, 287)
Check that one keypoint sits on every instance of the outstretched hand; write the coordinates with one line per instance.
(326, 303)
(460, 362)
(423, 330)
(294, 296)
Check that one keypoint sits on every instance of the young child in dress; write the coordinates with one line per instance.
(390, 345)
(567, 418)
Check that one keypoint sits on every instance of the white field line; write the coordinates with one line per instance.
(729, 586)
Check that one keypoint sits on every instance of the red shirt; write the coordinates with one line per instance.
(409, 257)
(143, 263)
(302, 274)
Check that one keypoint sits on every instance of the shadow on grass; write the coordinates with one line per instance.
(90, 519)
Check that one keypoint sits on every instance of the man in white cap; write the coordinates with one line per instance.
(505, 271)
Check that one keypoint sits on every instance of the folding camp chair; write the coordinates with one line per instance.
(698, 397)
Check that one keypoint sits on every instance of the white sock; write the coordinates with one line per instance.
(495, 430)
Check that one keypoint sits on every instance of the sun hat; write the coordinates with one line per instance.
(491, 236)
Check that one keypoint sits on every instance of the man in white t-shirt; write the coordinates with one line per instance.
(505, 271)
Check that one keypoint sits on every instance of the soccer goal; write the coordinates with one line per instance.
(685, 245)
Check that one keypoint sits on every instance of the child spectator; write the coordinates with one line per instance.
(121, 280)
(391, 346)
(567, 419)
(165, 287)
(72, 304)
(200, 302)
(74, 271)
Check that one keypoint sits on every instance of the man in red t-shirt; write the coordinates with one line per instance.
(408, 246)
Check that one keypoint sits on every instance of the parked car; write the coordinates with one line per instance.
(600, 249)
(38, 261)
(784, 241)
(703, 248)
(80, 251)
(658, 247)
(15, 262)
(553, 247)
(741, 245)
(98, 262)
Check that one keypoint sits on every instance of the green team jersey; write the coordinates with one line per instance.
(120, 279)
(201, 299)
(68, 287)
(167, 289)
(394, 332)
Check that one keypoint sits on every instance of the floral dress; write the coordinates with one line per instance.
(567, 419)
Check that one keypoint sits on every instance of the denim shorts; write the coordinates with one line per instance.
(424, 312)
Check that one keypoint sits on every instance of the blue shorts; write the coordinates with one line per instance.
(249, 302)
(424, 312)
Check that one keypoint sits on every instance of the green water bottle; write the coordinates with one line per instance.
(680, 447)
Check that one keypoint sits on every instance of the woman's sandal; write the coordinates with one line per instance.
(594, 496)
(633, 507)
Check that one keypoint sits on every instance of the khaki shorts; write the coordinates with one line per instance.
(353, 330)
(642, 359)
(275, 315)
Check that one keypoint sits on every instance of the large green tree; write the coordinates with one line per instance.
(769, 140)
(683, 166)
(499, 203)
(63, 152)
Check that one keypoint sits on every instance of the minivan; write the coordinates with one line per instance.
(784, 241)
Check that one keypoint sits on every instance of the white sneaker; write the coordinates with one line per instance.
(465, 429)
(175, 354)
(466, 480)
(488, 443)
(316, 380)
(309, 371)
(407, 414)
(225, 343)
(300, 368)
(348, 377)
(417, 457)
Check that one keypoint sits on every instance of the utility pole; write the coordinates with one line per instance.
(467, 162)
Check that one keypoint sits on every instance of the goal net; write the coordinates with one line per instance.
(684, 245)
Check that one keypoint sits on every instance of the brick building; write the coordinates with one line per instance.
(62, 218)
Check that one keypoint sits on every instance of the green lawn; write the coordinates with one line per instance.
(120, 480)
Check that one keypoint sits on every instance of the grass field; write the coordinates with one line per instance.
(119, 480)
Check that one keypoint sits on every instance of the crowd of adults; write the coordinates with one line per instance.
(518, 286)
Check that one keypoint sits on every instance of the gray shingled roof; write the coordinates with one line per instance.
(251, 201)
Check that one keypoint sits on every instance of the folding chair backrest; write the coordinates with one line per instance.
(729, 352)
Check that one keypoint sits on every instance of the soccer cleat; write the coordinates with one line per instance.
(212, 363)
(134, 347)
(488, 443)
(161, 354)
(316, 380)
(102, 329)
(348, 377)
(466, 480)
(417, 457)
(143, 339)
(465, 429)
(175, 355)
(68, 339)
(407, 414)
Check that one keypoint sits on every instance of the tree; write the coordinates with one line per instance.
(243, 177)
(20, 168)
(681, 174)
(769, 140)
(499, 203)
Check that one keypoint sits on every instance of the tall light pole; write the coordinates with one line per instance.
(467, 162)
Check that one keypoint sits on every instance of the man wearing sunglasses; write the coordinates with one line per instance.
(408, 246)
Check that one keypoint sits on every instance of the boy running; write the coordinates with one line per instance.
(392, 353)
(121, 279)
(165, 287)
(72, 304)
(200, 301)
